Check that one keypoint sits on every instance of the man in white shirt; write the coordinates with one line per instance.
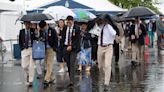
(105, 48)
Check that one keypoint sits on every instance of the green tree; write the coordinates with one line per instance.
(127, 4)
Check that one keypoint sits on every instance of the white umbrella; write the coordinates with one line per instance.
(59, 12)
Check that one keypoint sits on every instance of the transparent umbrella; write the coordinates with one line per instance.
(59, 12)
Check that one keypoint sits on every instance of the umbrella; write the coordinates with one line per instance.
(139, 12)
(35, 17)
(149, 17)
(83, 15)
(59, 12)
(122, 19)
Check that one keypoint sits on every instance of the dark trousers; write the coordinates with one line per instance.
(59, 55)
(94, 52)
(70, 59)
(159, 42)
(116, 51)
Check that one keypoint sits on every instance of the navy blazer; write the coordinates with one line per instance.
(141, 37)
(75, 38)
(22, 38)
(52, 38)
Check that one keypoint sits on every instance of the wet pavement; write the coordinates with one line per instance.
(148, 77)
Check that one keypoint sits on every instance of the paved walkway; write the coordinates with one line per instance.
(149, 77)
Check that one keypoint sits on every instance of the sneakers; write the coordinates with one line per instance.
(61, 71)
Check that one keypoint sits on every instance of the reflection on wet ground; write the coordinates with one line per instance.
(148, 77)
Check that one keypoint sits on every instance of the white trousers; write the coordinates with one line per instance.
(39, 66)
(28, 63)
(104, 61)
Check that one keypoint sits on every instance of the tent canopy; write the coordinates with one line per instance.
(4, 6)
(94, 6)
(100, 5)
(68, 3)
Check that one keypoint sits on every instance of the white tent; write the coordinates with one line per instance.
(161, 8)
(100, 5)
(97, 5)
(10, 6)
(9, 12)
(34, 4)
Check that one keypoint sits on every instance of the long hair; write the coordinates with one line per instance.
(62, 21)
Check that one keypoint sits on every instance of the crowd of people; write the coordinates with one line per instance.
(85, 43)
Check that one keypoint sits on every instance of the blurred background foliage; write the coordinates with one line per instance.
(127, 4)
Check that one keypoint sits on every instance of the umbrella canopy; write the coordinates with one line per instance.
(139, 12)
(83, 14)
(122, 19)
(59, 12)
(35, 17)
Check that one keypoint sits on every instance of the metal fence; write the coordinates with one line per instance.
(6, 51)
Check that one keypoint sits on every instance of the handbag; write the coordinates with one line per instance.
(38, 50)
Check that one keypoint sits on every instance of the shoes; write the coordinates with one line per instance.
(46, 84)
(79, 69)
(29, 84)
(122, 51)
(106, 88)
(134, 63)
(49, 82)
(61, 71)
(52, 81)
(71, 85)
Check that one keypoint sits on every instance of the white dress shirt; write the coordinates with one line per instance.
(71, 30)
(109, 35)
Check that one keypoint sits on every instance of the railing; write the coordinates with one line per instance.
(6, 50)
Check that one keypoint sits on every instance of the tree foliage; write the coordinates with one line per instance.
(127, 4)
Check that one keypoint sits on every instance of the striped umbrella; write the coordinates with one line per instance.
(83, 14)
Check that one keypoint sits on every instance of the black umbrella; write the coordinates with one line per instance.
(139, 12)
(122, 19)
(35, 17)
